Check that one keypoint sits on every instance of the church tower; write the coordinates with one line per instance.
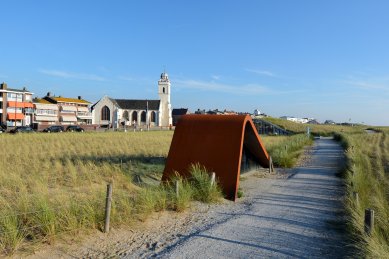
(165, 114)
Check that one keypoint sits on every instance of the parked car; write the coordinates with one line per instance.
(54, 128)
(3, 128)
(73, 128)
(22, 129)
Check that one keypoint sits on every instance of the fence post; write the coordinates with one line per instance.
(356, 198)
(369, 221)
(271, 168)
(108, 201)
(213, 178)
(177, 188)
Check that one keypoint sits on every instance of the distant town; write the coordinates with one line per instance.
(18, 108)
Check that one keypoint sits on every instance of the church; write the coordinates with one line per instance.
(116, 113)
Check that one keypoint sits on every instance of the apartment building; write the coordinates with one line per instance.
(46, 113)
(16, 107)
(65, 110)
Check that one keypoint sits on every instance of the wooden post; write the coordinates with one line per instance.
(213, 178)
(108, 208)
(369, 221)
(177, 188)
(270, 165)
(356, 198)
(121, 163)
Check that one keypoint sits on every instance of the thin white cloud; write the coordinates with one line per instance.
(247, 89)
(66, 74)
(369, 85)
(261, 72)
(215, 77)
(369, 82)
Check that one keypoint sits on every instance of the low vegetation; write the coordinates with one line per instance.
(368, 176)
(55, 184)
(316, 129)
(285, 150)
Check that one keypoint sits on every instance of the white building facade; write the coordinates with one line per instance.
(115, 113)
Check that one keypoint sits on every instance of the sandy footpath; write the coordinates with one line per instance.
(296, 214)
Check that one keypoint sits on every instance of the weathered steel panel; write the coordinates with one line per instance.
(216, 142)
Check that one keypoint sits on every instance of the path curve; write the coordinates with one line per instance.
(301, 217)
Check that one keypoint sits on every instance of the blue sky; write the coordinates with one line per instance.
(321, 59)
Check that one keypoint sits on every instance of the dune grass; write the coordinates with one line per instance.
(56, 183)
(285, 150)
(53, 184)
(316, 129)
(368, 175)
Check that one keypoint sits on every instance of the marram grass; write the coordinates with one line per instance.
(286, 150)
(368, 175)
(52, 184)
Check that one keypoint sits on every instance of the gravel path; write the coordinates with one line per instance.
(299, 217)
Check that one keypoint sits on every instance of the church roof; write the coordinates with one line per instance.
(180, 111)
(137, 104)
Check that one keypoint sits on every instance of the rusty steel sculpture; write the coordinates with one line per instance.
(217, 142)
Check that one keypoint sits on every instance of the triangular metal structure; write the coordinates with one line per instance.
(216, 142)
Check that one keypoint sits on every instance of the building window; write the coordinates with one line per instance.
(126, 116)
(134, 116)
(14, 97)
(143, 116)
(163, 89)
(105, 114)
(153, 116)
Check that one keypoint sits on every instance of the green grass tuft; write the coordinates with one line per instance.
(285, 150)
(204, 190)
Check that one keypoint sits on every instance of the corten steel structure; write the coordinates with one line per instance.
(216, 142)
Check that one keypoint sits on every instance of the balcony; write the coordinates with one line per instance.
(84, 115)
(28, 110)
